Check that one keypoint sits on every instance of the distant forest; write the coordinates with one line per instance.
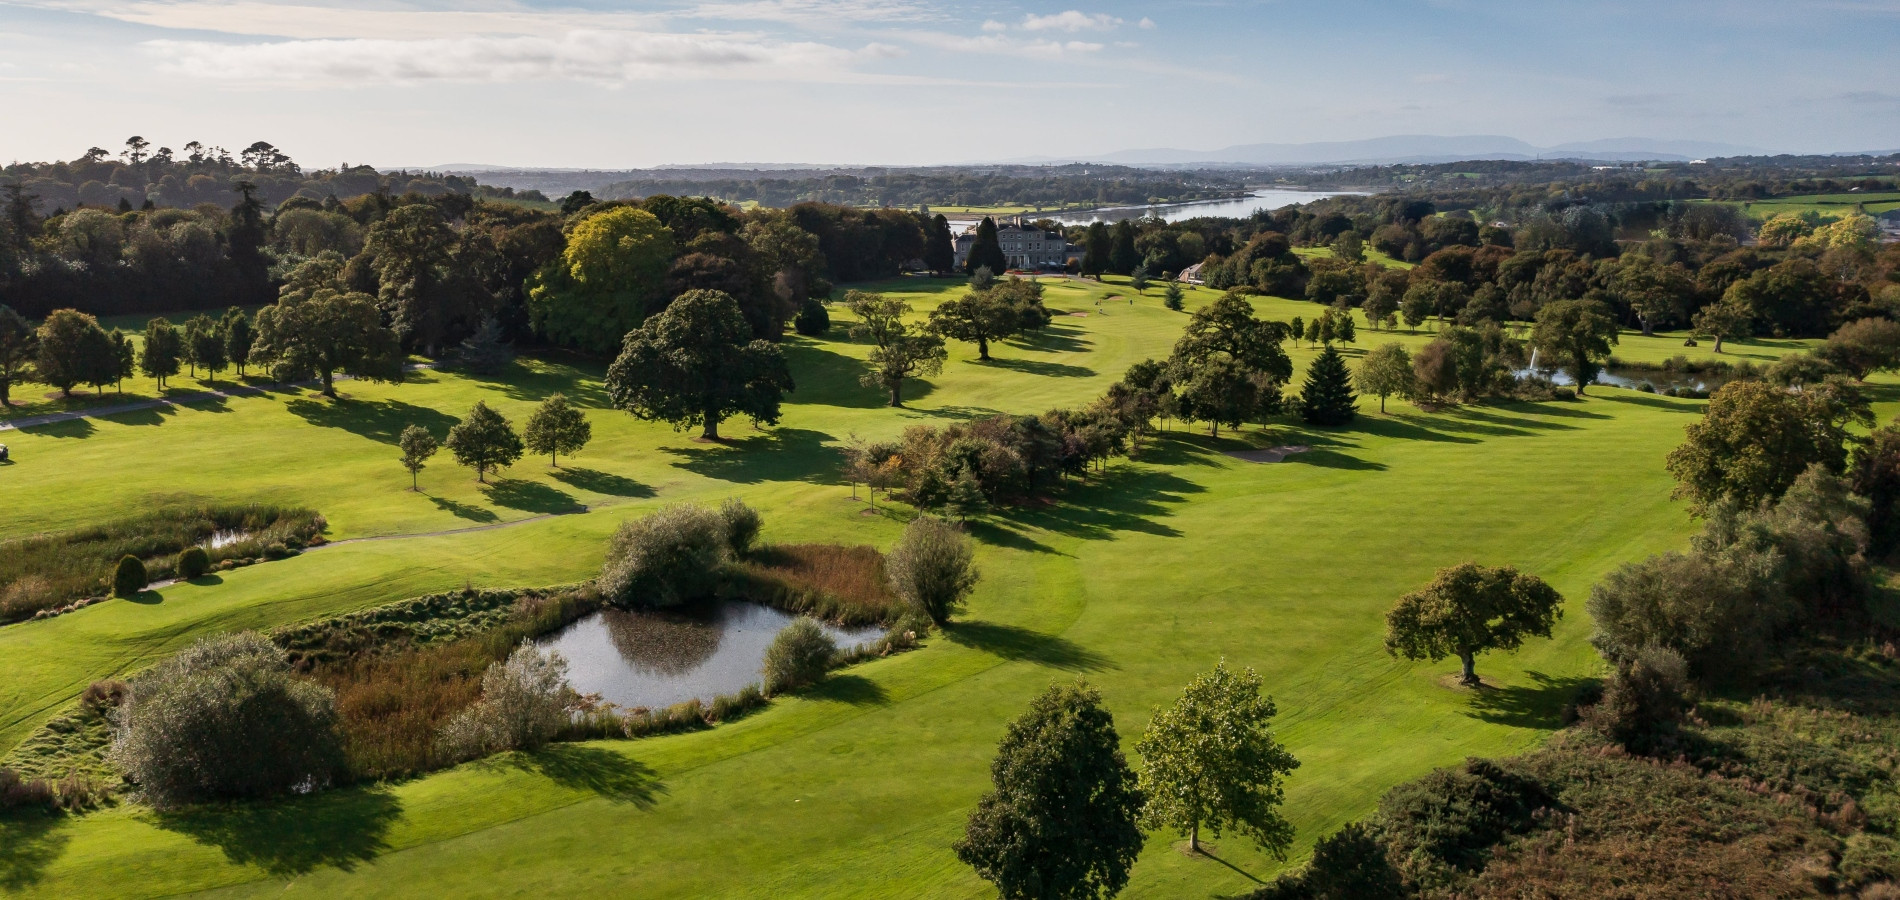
(1731, 178)
(1011, 185)
(142, 176)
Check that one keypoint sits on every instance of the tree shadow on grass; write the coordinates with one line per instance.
(1001, 534)
(1056, 338)
(600, 482)
(378, 420)
(71, 428)
(782, 454)
(533, 380)
(1018, 644)
(959, 413)
(829, 378)
(1180, 448)
(613, 776)
(856, 690)
(1208, 854)
(1538, 705)
(532, 496)
(340, 828)
(29, 842)
(465, 510)
(1040, 367)
(1672, 404)
(1124, 498)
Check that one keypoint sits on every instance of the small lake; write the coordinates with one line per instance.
(1240, 207)
(657, 659)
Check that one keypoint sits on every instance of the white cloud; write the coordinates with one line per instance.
(993, 25)
(1039, 48)
(1071, 21)
(816, 11)
(597, 56)
(1146, 23)
(294, 20)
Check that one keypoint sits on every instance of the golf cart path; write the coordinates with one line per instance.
(174, 400)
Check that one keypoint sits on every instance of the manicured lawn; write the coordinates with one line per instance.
(1136, 579)
(1827, 205)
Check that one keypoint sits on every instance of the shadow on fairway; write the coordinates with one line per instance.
(1129, 499)
(782, 454)
(339, 828)
(610, 775)
(1057, 338)
(29, 842)
(1039, 367)
(956, 413)
(378, 420)
(856, 690)
(1539, 705)
(1000, 534)
(601, 482)
(828, 378)
(1180, 448)
(531, 496)
(1243, 872)
(464, 510)
(71, 428)
(1672, 404)
(1018, 644)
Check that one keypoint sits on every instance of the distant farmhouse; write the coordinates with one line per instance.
(1025, 246)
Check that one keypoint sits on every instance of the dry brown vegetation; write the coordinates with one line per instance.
(846, 585)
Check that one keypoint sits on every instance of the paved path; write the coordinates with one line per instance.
(174, 400)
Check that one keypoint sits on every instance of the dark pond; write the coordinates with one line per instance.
(655, 659)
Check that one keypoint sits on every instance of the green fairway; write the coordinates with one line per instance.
(1137, 578)
(1830, 206)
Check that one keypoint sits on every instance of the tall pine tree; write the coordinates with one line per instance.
(1096, 247)
(940, 250)
(1122, 255)
(1327, 397)
(987, 251)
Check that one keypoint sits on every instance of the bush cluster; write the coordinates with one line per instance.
(932, 567)
(524, 704)
(800, 655)
(226, 719)
(667, 558)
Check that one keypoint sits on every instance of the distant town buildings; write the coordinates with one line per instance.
(1024, 246)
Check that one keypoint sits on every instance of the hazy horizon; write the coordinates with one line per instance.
(902, 82)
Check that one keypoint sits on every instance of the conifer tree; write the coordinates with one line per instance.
(1172, 297)
(1096, 246)
(940, 251)
(986, 250)
(1327, 397)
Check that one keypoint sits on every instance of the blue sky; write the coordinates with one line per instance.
(908, 81)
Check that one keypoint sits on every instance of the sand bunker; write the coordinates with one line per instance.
(1271, 454)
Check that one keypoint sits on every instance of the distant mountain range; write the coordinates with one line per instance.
(1419, 148)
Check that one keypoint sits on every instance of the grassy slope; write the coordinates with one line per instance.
(858, 790)
(1830, 206)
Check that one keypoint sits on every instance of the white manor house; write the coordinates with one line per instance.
(1024, 246)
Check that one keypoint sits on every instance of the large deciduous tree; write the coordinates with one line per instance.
(556, 427)
(1724, 321)
(607, 281)
(1386, 371)
(1469, 609)
(1578, 334)
(74, 350)
(316, 329)
(1864, 346)
(1060, 823)
(991, 314)
(696, 364)
(427, 281)
(901, 350)
(484, 440)
(1756, 439)
(1211, 761)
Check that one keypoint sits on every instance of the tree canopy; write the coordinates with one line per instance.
(902, 350)
(1060, 822)
(1210, 760)
(484, 441)
(322, 331)
(556, 427)
(999, 311)
(1327, 397)
(1577, 333)
(986, 252)
(1756, 439)
(696, 363)
(1468, 609)
(607, 281)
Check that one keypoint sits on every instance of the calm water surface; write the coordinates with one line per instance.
(1265, 199)
(656, 659)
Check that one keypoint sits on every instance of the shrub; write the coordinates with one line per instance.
(1720, 611)
(667, 558)
(226, 719)
(1454, 816)
(1349, 864)
(277, 550)
(1644, 701)
(932, 567)
(104, 695)
(812, 319)
(524, 704)
(129, 578)
(742, 525)
(193, 562)
(798, 656)
(1563, 393)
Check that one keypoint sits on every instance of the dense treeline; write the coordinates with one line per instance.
(1741, 177)
(1034, 186)
(142, 174)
